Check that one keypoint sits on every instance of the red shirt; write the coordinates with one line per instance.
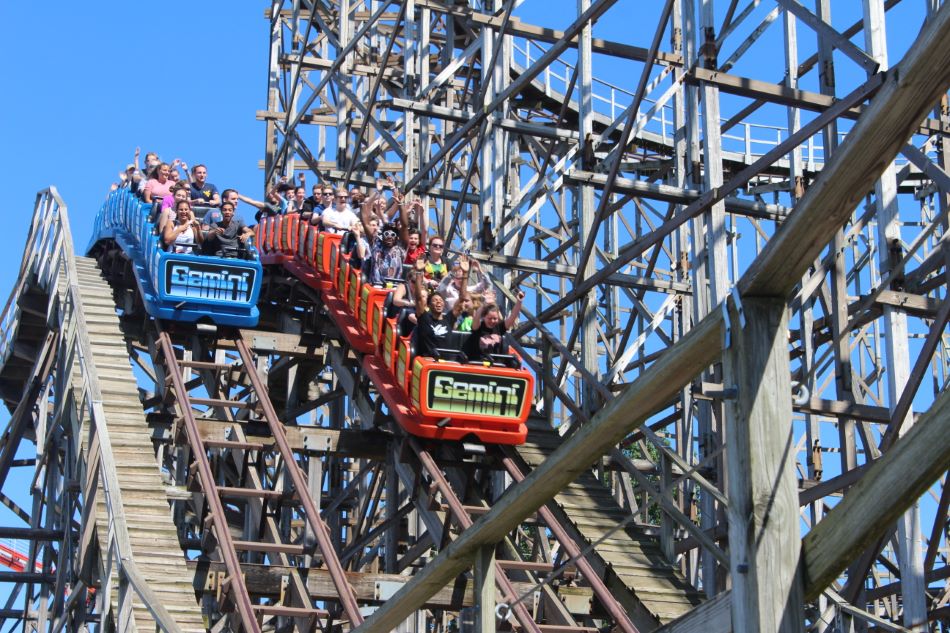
(413, 255)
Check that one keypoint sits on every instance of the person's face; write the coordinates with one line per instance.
(457, 278)
(300, 194)
(436, 247)
(200, 174)
(467, 304)
(163, 172)
(372, 228)
(180, 195)
(327, 196)
(492, 318)
(227, 212)
(413, 241)
(173, 175)
(183, 212)
(341, 199)
(437, 304)
(389, 237)
(232, 197)
(151, 160)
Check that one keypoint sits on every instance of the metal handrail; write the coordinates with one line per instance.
(48, 260)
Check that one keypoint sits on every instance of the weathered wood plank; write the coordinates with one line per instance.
(763, 500)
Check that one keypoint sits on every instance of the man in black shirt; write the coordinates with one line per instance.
(227, 236)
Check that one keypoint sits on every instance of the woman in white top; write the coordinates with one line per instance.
(184, 233)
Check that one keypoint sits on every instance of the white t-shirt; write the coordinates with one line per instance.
(338, 221)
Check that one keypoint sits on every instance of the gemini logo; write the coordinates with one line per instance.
(203, 281)
(498, 396)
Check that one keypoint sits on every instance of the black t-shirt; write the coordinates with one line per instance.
(431, 333)
(486, 340)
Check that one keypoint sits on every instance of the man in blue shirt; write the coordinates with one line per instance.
(203, 193)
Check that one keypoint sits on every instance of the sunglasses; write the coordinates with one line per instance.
(436, 245)
(389, 234)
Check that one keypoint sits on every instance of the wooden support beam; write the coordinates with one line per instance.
(567, 270)
(485, 589)
(370, 588)
(763, 504)
(901, 102)
(890, 486)
(909, 90)
(678, 195)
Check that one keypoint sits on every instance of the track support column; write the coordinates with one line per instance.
(485, 590)
(764, 539)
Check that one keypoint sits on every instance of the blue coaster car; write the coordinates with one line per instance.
(179, 286)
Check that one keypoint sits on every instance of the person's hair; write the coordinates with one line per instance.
(195, 168)
(416, 232)
(147, 154)
(286, 186)
(227, 204)
(181, 184)
(433, 295)
(158, 169)
(490, 307)
(300, 188)
(315, 187)
(357, 197)
(224, 194)
(181, 202)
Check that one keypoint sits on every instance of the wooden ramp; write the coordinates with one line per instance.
(154, 539)
(650, 588)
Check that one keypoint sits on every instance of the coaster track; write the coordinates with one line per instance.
(282, 494)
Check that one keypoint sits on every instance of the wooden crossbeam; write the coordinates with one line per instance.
(902, 101)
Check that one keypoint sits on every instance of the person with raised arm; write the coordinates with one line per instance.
(489, 327)
(433, 325)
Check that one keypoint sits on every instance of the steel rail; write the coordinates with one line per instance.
(332, 561)
(465, 522)
(574, 552)
(237, 586)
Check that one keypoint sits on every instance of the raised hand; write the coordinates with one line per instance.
(420, 265)
(465, 264)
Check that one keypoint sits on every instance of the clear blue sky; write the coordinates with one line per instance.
(87, 83)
